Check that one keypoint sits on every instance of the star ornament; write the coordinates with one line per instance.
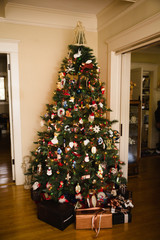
(96, 129)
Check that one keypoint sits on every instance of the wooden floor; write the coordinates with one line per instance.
(18, 213)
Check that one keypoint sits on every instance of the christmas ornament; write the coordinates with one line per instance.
(100, 172)
(101, 105)
(86, 142)
(86, 159)
(53, 115)
(77, 188)
(48, 185)
(110, 133)
(55, 140)
(39, 168)
(80, 120)
(67, 128)
(101, 196)
(102, 90)
(68, 114)
(62, 199)
(96, 129)
(42, 123)
(61, 112)
(59, 151)
(114, 191)
(113, 170)
(49, 171)
(71, 99)
(86, 177)
(77, 55)
(92, 199)
(68, 177)
(78, 196)
(63, 81)
(94, 105)
(109, 143)
(71, 144)
(76, 107)
(100, 140)
(91, 117)
(65, 104)
(93, 149)
(36, 185)
(61, 184)
(59, 85)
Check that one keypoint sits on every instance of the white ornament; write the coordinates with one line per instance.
(86, 142)
(101, 105)
(81, 121)
(91, 117)
(110, 133)
(41, 123)
(86, 159)
(71, 99)
(96, 129)
(93, 150)
(39, 168)
(54, 140)
(61, 112)
(88, 61)
(36, 185)
(76, 55)
(71, 144)
(49, 171)
(63, 81)
(113, 170)
(77, 188)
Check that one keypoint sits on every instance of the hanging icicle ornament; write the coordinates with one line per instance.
(100, 172)
(79, 38)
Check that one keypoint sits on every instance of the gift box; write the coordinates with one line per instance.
(36, 195)
(121, 217)
(90, 218)
(59, 215)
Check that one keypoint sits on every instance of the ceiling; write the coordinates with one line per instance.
(83, 6)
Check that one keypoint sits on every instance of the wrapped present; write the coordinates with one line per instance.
(93, 218)
(59, 215)
(121, 217)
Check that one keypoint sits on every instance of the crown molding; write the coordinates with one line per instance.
(45, 17)
(128, 6)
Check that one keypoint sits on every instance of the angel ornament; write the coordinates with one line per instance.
(80, 38)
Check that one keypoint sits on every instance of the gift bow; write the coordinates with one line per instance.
(95, 225)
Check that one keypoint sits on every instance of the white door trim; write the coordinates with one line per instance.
(146, 32)
(11, 47)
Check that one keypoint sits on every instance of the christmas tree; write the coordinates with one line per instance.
(77, 152)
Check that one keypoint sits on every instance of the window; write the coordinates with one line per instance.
(2, 89)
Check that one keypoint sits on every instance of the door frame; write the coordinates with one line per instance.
(140, 35)
(10, 47)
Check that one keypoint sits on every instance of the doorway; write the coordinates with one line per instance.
(5, 144)
(144, 96)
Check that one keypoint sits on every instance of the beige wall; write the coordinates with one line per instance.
(148, 58)
(124, 16)
(41, 50)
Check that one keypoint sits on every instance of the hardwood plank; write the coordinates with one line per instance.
(18, 214)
